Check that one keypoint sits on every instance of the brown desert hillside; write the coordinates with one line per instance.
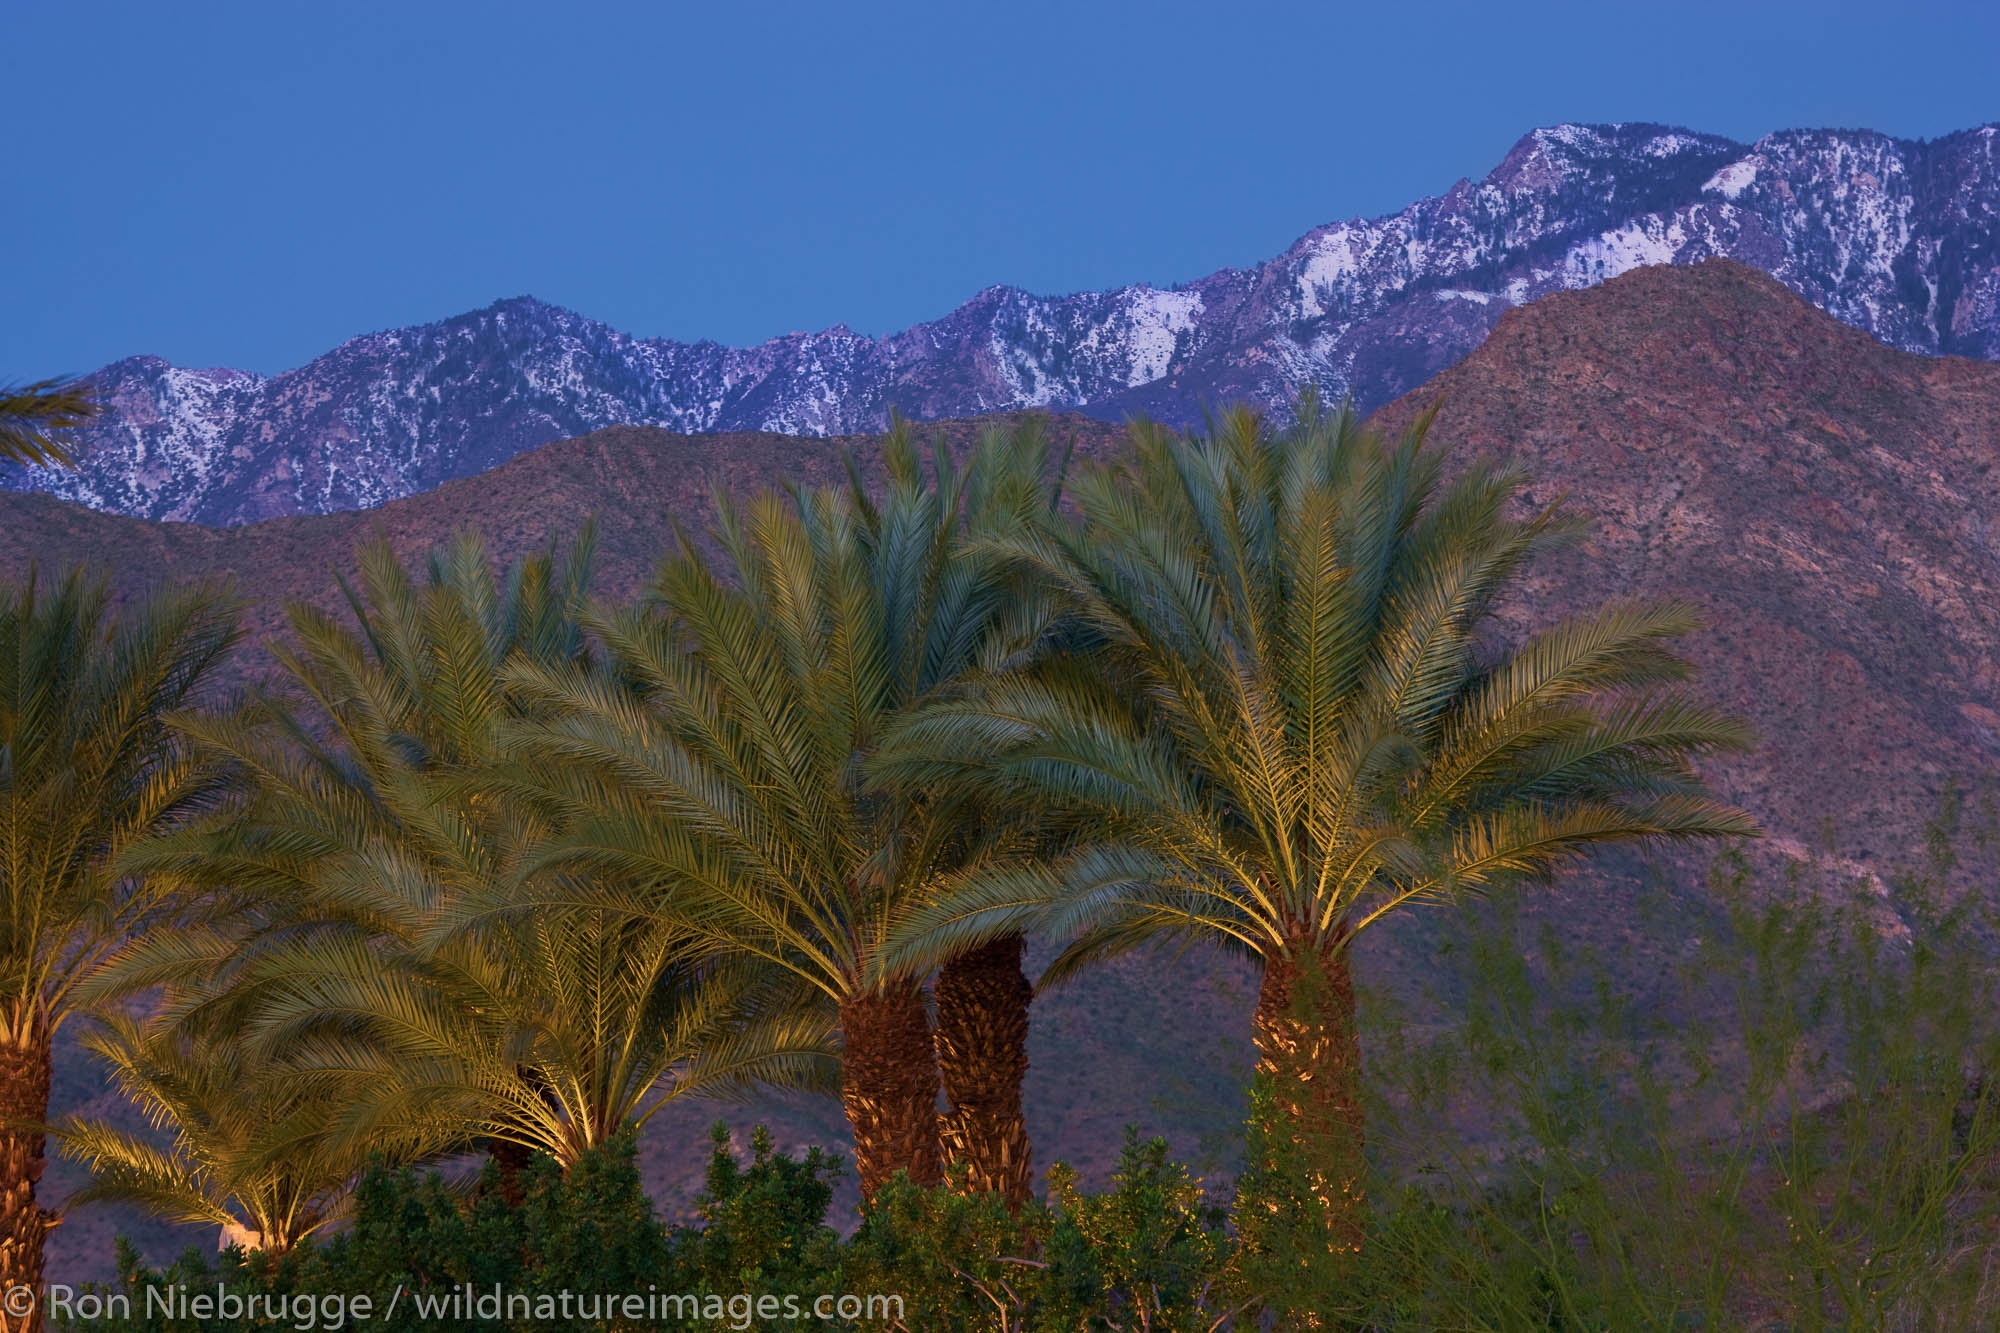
(635, 481)
(1825, 497)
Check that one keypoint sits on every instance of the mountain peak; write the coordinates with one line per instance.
(528, 307)
(1894, 237)
(1555, 150)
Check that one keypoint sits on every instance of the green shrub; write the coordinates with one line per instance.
(763, 1227)
(1149, 1252)
(592, 1231)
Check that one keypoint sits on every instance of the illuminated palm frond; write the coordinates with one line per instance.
(35, 418)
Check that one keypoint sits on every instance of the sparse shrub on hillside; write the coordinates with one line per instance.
(1802, 1136)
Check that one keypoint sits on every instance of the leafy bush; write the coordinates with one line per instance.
(1082, 1260)
(1148, 1253)
(592, 1231)
(763, 1227)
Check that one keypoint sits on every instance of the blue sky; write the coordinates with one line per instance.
(250, 185)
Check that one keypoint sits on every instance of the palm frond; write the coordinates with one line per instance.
(34, 418)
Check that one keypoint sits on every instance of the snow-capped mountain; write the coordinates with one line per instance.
(1897, 237)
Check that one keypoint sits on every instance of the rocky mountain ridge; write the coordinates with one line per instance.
(1898, 238)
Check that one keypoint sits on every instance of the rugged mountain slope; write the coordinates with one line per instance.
(1824, 496)
(1827, 499)
(1899, 238)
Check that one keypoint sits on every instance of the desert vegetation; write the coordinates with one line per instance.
(399, 952)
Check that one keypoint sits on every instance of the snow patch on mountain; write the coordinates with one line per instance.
(1157, 322)
(1651, 240)
(1733, 179)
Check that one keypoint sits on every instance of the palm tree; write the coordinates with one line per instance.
(34, 417)
(89, 767)
(733, 802)
(250, 1149)
(375, 947)
(545, 1032)
(1297, 724)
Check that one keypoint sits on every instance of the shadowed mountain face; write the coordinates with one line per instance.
(1899, 238)
(1825, 497)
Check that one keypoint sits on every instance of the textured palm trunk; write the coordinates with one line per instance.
(982, 1048)
(24, 1223)
(513, 1159)
(1309, 1052)
(889, 1086)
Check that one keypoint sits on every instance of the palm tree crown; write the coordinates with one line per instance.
(250, 1149)
(1295, 713)
(379, 948)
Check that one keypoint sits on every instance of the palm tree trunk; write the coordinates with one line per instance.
(513, 1160)
(889, 1086)
(25, 1071)
(1309, 1058)
(982, 1049)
